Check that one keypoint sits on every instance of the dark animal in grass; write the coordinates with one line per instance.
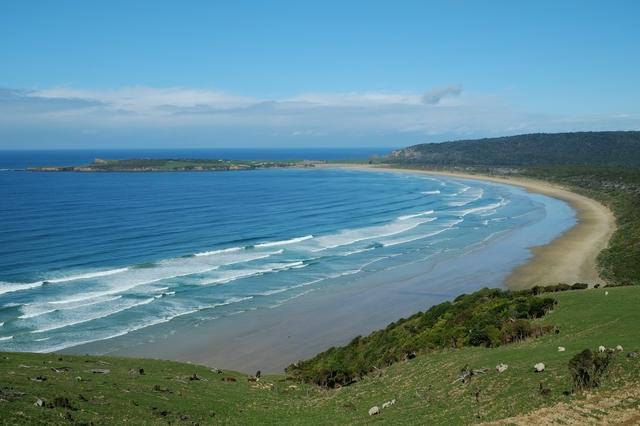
(258, 374)
(252, 379)
(62, 402)
(229, 379)
(544, 391)
(158, 388)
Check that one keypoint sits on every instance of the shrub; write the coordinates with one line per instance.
(587, 368)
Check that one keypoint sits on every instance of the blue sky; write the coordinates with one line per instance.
(202, 73)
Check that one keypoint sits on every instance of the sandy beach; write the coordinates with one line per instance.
(569, 258)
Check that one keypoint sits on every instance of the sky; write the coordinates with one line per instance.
(198, 74)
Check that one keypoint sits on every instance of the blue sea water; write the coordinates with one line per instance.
(88, 257)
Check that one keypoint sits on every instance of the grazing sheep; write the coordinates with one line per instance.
(561, 349)
(602, 349)
(606, 293)
(539, 367)
(619, 348)
(501, 367)
(388, 404)
(374, 411)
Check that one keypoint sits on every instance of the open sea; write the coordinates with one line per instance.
(87, 256)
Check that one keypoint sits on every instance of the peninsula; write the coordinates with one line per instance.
(170, 165)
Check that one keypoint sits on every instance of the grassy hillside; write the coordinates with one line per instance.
(579, 148)
(424, 387)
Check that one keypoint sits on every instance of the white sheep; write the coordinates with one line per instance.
(501, 367)
(374, 411)
(539, 367)
(606, 293)
(388, 404)
(602, 349)
(561, 349)
(619, 348)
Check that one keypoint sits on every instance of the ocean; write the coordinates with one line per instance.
(94, 257)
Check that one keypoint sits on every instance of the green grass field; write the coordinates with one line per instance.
(424, 387)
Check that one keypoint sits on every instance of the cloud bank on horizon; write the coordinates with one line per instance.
(145, 117)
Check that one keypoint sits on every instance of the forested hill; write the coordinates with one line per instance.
(579, 148)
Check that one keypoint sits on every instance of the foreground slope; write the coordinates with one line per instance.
(78, 390)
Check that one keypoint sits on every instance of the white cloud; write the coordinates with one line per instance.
(146, 99)
(446, 111)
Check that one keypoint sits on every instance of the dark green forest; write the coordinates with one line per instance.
(579, 148)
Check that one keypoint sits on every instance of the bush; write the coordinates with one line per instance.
(579, 286)
(587, 368)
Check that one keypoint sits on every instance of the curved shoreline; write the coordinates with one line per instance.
(270, 339)
(569, 258)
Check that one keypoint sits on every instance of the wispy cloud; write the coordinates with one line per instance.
(345, 116)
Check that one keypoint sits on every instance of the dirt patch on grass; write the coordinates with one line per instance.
(619, 407)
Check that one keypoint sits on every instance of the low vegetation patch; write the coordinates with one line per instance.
(587, 368)
(489, 318)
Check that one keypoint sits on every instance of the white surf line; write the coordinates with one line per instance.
(36, 314)
(284, 242)
(103, 315)
(241, 274)
(139, 327)
(214, 252)
(425, 213)
(6, 287)
(363, 234)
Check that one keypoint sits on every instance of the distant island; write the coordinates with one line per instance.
(170, 165)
